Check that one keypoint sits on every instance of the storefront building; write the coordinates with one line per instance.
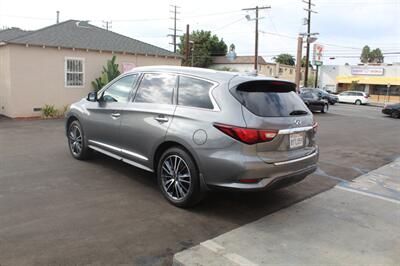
(382, 82)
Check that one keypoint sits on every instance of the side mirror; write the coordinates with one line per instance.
(92, 97)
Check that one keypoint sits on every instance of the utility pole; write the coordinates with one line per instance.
(58, 17)
(257, 8)
(187, 46)
(316, 77)
(309, 10)
(174, 29)
(107, 24)
(298, 62)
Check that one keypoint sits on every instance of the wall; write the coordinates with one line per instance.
(37, 76)
(5, 80)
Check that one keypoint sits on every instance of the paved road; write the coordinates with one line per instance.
(56, 210)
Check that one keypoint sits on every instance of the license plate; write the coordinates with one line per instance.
(296, 140)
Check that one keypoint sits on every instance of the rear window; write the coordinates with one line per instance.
(270, 98)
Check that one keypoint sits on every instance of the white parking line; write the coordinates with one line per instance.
(372, 195)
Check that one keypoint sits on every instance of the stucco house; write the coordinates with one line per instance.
(56, 64)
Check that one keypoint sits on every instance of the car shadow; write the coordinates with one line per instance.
(237, 207)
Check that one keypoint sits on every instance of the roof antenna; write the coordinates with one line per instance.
(58, 16)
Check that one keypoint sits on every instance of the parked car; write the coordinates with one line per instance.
(357, 97)
(314, 102)
(331, 98)
(198, 130)
(392, 109)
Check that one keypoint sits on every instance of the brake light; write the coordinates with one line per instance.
(247, 135)
(315, 127)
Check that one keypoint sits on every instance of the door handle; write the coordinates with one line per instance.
(161, 119)
(116, 115)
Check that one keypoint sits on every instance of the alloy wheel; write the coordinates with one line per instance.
(75, 140)
(176, 177)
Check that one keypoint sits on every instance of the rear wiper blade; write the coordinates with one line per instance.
(298, 112)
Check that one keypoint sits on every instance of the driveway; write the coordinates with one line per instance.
(57, 210)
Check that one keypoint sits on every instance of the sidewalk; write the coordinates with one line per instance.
(355, 223)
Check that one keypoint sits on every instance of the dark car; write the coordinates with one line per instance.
(331, 98)
(392, 109)
(314, 102)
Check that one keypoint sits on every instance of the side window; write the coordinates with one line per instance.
(194, 93)
(156, 88)
(119, 90)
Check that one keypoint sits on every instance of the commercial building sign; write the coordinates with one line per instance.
(368, 71)
(317, 54)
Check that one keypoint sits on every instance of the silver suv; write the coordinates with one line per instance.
(198, 130)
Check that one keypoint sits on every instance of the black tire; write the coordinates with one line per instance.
(324, 108)
(358, 102)
(175, 192)
(395, 114)
(77, 142)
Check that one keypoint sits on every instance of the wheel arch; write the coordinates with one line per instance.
(169, 144)
(70, 119)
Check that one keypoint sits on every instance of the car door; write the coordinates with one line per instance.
(353, 97)
(147, 118)
(344, 97)
(105, 115)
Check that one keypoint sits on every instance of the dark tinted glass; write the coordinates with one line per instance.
(194, 92)
(119, 90)
(269, 99)
(156, 88)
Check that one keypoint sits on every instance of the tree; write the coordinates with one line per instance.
(286, 59)
(365, 54)
(368, 56)
(376, 56)
(204, 45)
(303, 62)
(108, 74)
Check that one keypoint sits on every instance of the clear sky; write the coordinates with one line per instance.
(344, 26)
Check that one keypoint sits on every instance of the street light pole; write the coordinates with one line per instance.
(257, 8)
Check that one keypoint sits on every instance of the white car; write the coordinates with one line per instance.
(357, 97)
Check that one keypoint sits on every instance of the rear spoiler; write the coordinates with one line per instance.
(265, 86)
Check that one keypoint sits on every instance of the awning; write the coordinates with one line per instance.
(369, 80)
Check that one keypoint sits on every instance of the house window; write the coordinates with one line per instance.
(280, 70)
(290, 71)
(74, 72)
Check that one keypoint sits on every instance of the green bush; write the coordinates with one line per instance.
(49, 111)
(108, 74)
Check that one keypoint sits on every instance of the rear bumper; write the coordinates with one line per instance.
(271, 175)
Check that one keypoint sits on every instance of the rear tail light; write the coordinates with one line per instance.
(315, 126)
(247, 135)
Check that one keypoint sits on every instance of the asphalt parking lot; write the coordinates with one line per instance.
(56, 210)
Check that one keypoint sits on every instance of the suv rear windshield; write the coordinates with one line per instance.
(270, 98)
